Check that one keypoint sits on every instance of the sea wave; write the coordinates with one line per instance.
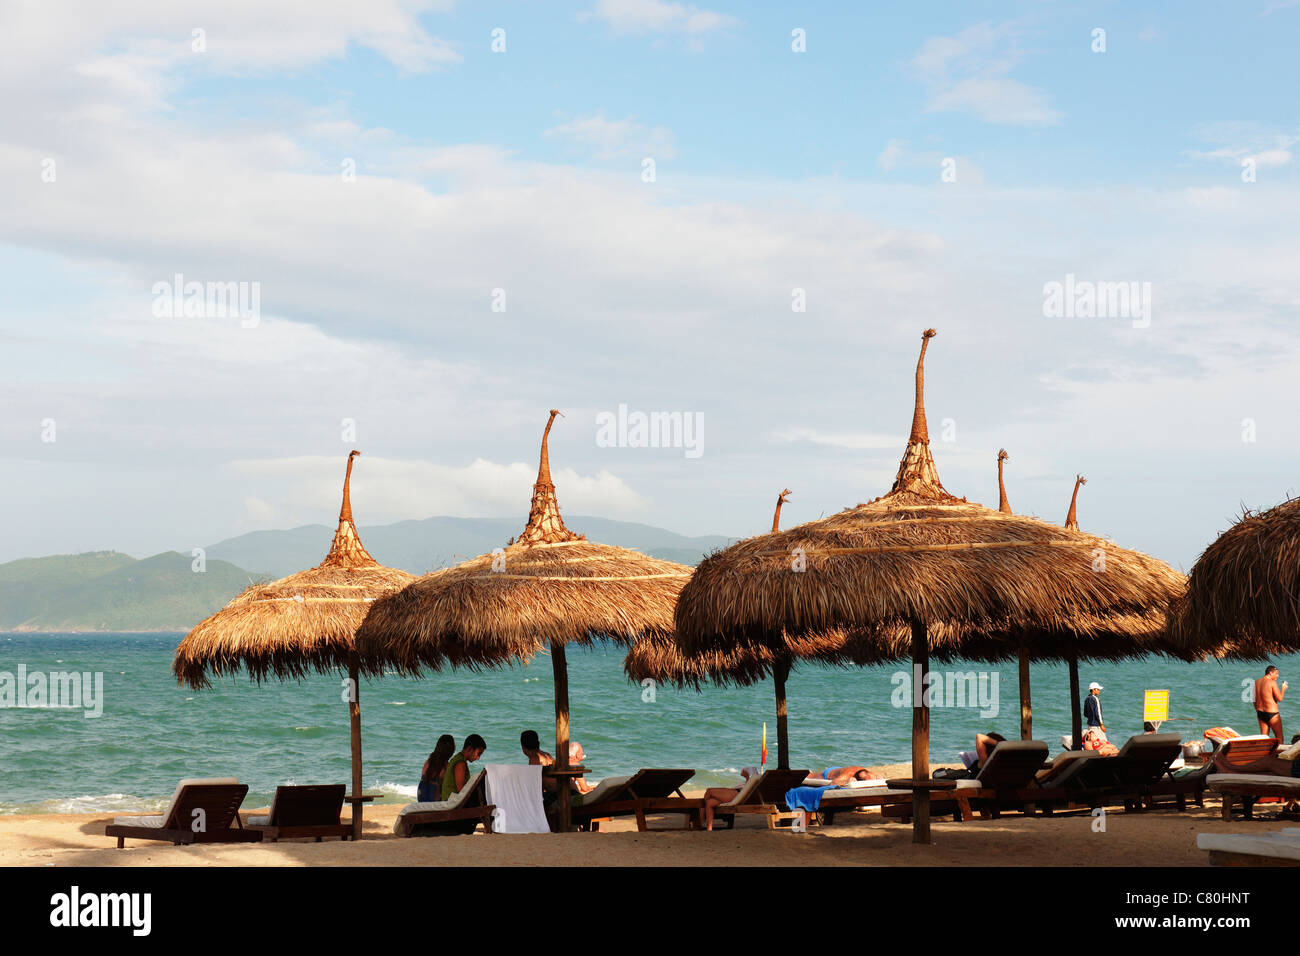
(101, 803)
(393, 792)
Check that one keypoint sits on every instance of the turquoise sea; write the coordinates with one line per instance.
(152, 732)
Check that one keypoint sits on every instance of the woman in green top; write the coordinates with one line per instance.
(457, 773)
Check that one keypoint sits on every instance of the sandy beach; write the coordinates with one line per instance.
(1162, 838)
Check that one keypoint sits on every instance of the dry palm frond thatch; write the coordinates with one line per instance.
(550, 587)
(919, 554)
(303, 622)
(1243, 592)
(546, 590)
(951, 571)
(290, 627)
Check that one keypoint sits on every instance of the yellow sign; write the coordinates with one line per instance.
(1155, 705)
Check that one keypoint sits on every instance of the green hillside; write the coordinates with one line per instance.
(109, 591)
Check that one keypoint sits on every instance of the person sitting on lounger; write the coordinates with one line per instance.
(537, 757)
(430, 788)
(457, 773)
(715, 797)
(576, 755)
(532, 748)
(984, 746)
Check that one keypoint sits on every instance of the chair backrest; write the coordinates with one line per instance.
(219, 803)
(770, 786)
(170, 818)
(470, 795)
(1240, 751)
(657, 782)
(1146, 758)
(314, 805)
(1067, 766)
(1013, 764)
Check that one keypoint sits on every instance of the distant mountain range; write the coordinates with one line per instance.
(111, 591)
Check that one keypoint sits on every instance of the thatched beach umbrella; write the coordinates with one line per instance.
(307, 621)
(548, 589)
(1243, 592)
(660, 659)
(948, 570)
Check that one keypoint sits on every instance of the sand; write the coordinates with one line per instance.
(1154, 838)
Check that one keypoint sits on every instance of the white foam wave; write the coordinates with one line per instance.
(99, 803)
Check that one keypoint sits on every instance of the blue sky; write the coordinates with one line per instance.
(522, 170)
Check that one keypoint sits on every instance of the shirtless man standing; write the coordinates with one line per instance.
(1268, 698)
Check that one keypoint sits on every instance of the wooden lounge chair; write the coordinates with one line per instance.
(763, 793)
(461, 813)
(1141, 764)
(1128, 777)
(1181, 784)
(1241, 849)
(651, 790)
(1000, 785)
(202, 810)
(846, 799)
(1244, 754)
(1053, 786)
(1249, 787)
(300, 812)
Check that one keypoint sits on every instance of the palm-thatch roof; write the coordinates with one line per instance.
(549, 587)
(921, 555)
(1243, 593)
(287, 628)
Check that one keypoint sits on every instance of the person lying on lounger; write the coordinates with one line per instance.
(841, 776)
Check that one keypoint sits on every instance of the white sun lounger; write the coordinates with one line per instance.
(1243, 849)
(460, 813)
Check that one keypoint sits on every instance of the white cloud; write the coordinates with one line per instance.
(849, 441)
(898, 154)
(969, 72)
(615, 139)
(395, 489)
(1237, 142)
(655, 16)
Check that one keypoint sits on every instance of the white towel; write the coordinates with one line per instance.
(516, 791)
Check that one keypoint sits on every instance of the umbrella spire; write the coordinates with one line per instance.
(347, 551)
(545, 526)
(776, 517)
(1072, 519)
(1003, 505)
(917, 473)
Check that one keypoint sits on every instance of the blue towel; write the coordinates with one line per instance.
(805, 798)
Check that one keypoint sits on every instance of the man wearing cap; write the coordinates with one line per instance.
(1092, 707)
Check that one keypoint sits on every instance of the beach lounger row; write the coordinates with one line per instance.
(1015, 778)
(206, 810)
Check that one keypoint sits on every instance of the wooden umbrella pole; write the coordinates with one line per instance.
(1026, 706)
(560, 666)
(1076, 720)
(354, 718)
(920, 733)
(780, 671)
